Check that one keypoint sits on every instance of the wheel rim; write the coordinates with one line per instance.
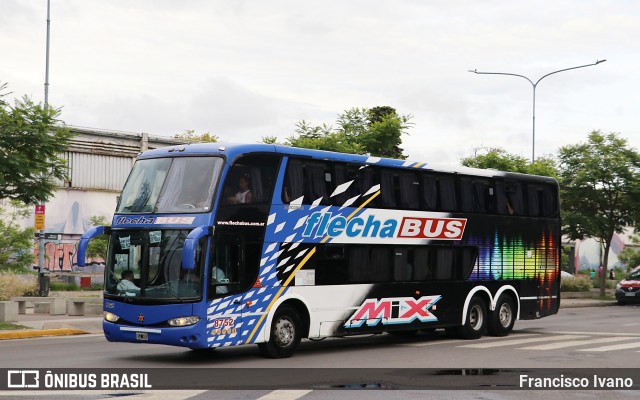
(476, 317)
(284, 332)
(505, 315)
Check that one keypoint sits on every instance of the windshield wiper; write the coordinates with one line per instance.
(166, 287)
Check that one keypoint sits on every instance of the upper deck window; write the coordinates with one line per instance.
(171, 185)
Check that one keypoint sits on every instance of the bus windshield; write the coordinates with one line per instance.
(148, 264)
(166, 185)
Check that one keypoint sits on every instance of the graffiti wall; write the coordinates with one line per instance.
(68, 214)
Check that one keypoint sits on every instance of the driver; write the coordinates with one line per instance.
(126, 285)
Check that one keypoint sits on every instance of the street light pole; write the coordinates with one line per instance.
(534, 85)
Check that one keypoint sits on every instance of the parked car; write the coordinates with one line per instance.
(628, 290)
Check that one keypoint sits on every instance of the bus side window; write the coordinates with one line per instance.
(409, 193)
(429, 192)
(223, 276)
(345, 173)
(368, 177)
(422, 270)
(317, 178)
(508, 198)
(387, 189)
(444, 263)
(447, 192)
(293, 188)
(380, 268)
(359, 262)
(541, 200)
(402, 268)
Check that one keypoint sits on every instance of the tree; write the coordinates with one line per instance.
(98, 246)
(31, 144)
(499, 159)
(190, 136)
(600, 185)
(377, 131)
(16, 243)
(630, 256)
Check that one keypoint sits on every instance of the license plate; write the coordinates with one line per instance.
(630, 294)
(142, 336)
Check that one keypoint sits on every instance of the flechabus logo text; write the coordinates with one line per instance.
(322, 224)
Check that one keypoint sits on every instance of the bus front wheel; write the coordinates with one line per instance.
(286, 333)
(476, 321)
(503, 317)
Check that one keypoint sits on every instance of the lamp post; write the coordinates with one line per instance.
(534, 85)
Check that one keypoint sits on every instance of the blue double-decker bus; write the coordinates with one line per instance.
(216, 245)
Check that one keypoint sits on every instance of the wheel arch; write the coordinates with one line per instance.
(481, 292)
(507, 290)
(299, 304)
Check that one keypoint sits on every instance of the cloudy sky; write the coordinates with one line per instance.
(244, 69)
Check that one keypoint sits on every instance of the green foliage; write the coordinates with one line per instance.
(63, 287)
(376, 131)
(600, 187)
(98, 246)
(16, 243)
(577, 284)
(631, 256)
(191, 137)
(269, 140)
(499, 159)
(31, 145)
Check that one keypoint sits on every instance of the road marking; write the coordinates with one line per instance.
(443, 340)
(596, 333)
(573, 343)
(623, 346)
(284, 395)
(512, 342)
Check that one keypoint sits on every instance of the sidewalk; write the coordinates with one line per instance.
(63, 325)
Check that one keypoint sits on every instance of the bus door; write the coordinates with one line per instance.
(224, 285)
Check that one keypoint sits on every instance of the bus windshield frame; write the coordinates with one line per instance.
(145, 266)
(171, 185)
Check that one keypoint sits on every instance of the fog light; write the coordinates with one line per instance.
(111, 317)
(184, 321)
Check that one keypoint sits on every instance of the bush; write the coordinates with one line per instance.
(13, 285)
(577, 284)
(609, 284)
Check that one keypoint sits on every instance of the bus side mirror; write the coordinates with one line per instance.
(190, 243)
(86, 238)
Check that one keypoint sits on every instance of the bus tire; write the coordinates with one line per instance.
(476, 322)
(286, 333)
(503, 317)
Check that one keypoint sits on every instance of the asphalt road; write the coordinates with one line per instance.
(595, 338)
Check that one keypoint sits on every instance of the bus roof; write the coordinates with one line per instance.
(234, 150)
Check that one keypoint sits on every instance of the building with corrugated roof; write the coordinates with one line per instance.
(99, 162)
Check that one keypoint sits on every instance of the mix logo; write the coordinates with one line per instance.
(394, 310)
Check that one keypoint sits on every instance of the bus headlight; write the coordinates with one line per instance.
(111, 317)
(184, 321)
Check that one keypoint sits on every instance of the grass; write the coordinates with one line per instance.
(8, 326)
(63, 287)
(72, 287)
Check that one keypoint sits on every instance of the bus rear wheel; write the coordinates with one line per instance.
(476, 320)
(286, 333)
(503, 317)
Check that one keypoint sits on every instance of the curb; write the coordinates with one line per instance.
(40, 333)
(588, 304)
